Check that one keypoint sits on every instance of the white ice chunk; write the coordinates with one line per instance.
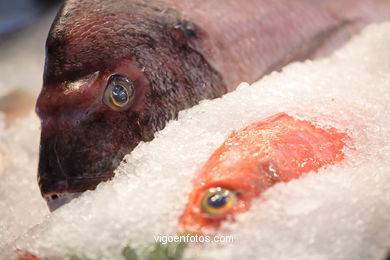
(21, 205)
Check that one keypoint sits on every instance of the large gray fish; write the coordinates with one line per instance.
(117, 70)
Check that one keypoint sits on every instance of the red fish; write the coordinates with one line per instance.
(277, 149)
(25, 255)
(117, 71)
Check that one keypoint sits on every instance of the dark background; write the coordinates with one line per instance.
(18, 14)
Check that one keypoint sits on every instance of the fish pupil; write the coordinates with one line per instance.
(217, 200)
(119, 93)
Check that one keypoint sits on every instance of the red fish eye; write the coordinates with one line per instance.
(119, 93)
(218, 201)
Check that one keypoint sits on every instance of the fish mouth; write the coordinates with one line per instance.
(59, 192)
(56, 200)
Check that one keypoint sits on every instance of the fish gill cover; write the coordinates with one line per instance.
(341, 212)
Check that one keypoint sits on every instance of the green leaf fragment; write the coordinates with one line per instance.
(129, 253)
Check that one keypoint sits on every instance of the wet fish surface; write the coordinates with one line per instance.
(117, 71)
(251, 160)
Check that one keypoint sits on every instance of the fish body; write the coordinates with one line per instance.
(117, 71)
(277, 149)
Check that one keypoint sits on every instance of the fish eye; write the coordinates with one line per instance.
(119, 93)
(218, 201)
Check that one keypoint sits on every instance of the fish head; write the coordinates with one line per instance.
(277, 149)
(95, 104)
(115, 73)
(238, 171)
(220, 192)
(88, 125)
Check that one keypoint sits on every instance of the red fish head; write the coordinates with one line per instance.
(210, 206)
(221, 192)
(276, 149)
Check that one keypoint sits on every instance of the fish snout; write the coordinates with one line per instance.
(56, 200)
(71, 162)
(58, 192)
(69, 165)
(55, 192)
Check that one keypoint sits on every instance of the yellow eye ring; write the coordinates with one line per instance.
(218, 201)
(119, 93)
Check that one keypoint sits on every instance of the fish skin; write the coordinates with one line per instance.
(25, 255)
(177, 54)
(251, 160)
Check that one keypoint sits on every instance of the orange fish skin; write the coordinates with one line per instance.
(277, 149)
(25, 255)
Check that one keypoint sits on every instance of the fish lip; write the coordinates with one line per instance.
(60, 200)
(59, 191)
(70, 185)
